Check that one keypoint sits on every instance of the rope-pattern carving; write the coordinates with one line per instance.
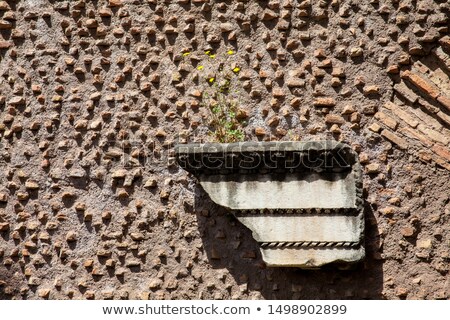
(309, 244)
(300, 211)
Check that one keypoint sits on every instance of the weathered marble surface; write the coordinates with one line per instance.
(301, 200)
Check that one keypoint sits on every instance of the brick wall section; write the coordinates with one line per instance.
(423, 82)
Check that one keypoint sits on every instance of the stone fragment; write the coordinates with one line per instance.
(373, 168)
(401, 292)
(407, 231)
(4, 226)
(386, 120)
(371, 89)
(155, 284)
(424, 244)
(445, 42)
(334, 119)
(115, 3)
(356, 52)
(392, 137)
(77, 173)
(31, 185)
(164, 194)
(335, 129)
(259, 131)
(393, 69)
(150, 183)
(131, 263)
(44, 293)
(324, 102)
(4, 6)
(4, 25)
(295, 83)
(16, 101)
(348, 109)
(269, 15)
(355, 117)
(119, 174)
(226, 27)
(81, 124)
(273, 121)
(388, 211)
(105, 12)
(71, 236)
(3, 197)
(137, 236)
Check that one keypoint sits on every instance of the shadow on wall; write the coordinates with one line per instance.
(229, 244)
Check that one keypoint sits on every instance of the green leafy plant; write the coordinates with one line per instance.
(220, 97)
(225, 126)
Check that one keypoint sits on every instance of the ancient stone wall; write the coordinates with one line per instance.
(94, 95)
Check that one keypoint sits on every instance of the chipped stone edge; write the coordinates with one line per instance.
(325, 145)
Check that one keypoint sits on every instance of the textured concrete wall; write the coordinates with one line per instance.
(93, 95)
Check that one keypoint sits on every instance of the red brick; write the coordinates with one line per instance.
(393, 69)
(444, 117)
(392, 137)
(427, 106)
(441, 151)
(402, 114)
(425, 156)
(413, 134)
(406, 92)
(445, 101)
(422, 84)
(442, 162)
(434, 135)
(387, 120)
(375, 127)
(445, 42)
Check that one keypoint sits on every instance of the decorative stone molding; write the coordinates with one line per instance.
(301, 200)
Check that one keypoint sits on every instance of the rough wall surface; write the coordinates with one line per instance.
(94, 94)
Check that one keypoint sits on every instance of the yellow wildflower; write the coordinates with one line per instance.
(230, 52)
(236, 70)
(200, 67)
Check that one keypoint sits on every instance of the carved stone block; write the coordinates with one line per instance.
(301, 200)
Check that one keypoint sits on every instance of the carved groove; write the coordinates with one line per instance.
(309, 244)
(298, 211)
